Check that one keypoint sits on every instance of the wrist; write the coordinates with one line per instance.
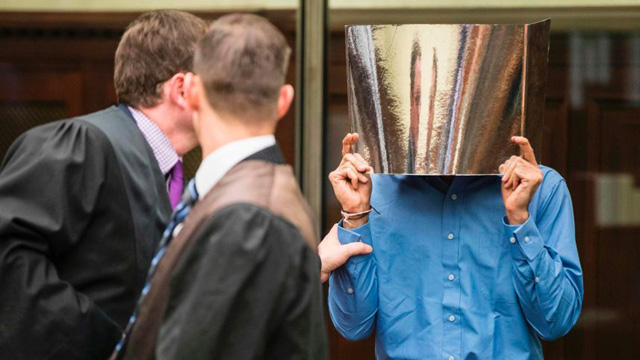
(355, 223)
(357, 208)
(517, 217)
(354, 219)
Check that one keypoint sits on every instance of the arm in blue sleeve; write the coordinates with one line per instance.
(353, 289)
(546, 270)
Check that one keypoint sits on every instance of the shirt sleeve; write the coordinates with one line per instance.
(546, 271)
(49, 183)
(353, 289)
(247, 288)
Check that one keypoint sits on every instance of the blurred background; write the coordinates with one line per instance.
(56, 61)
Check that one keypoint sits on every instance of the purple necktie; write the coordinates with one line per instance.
(176, 184)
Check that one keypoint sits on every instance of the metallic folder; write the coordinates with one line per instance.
(445, 99)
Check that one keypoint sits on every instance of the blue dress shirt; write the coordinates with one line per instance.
(449, 279)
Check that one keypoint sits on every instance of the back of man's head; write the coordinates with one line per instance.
(156, 46)
(242, 61)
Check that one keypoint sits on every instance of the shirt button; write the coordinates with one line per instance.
(350, 290)
(537, 279)
(452, 318)
(512, 240)
(526, 239)
(452, 358)
(451, 277)
(454, 197)
(450, 236)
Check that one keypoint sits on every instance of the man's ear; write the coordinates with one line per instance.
(284, 100)
(177, 91)
(192, 91)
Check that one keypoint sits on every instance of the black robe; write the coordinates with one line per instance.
(83, 204)
(241, 281)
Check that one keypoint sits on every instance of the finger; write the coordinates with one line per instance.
(504, 169)
(527, 171)
(508, 173)
(348, 141)
(526, 151)
(336, 176)
(362, 176)
(356, 248)
(341, 174)
(361, 166)
(351, 174)
(363, 161)
(346, 144)
(515, 179)
(504, 166)
(348, 174)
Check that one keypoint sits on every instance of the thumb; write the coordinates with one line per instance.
(356, 248)
(334, 231)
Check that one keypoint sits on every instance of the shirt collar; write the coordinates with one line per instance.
(164, 153)
(219, 162)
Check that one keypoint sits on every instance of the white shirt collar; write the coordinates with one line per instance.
(219, 162)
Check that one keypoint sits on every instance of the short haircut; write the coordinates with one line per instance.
(156, 46)
(242, 61)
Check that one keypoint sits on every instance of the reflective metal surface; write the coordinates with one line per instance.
(445, 99)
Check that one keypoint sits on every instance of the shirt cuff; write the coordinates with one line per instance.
(525, 240)
(361, 233)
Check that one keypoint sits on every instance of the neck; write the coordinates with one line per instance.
(216, 132)
(181, 136)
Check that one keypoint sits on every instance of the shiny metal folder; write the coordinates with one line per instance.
(445, 99)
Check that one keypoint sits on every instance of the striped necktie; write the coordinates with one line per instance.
(181, 212)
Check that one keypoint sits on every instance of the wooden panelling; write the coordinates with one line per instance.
(613, 312)
(70, 57)
(31, 98)
(618, 123)
(555, 138)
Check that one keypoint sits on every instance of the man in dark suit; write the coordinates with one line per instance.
(84, 201)
(236, 275)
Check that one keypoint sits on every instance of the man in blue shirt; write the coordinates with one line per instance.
(469, 267)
